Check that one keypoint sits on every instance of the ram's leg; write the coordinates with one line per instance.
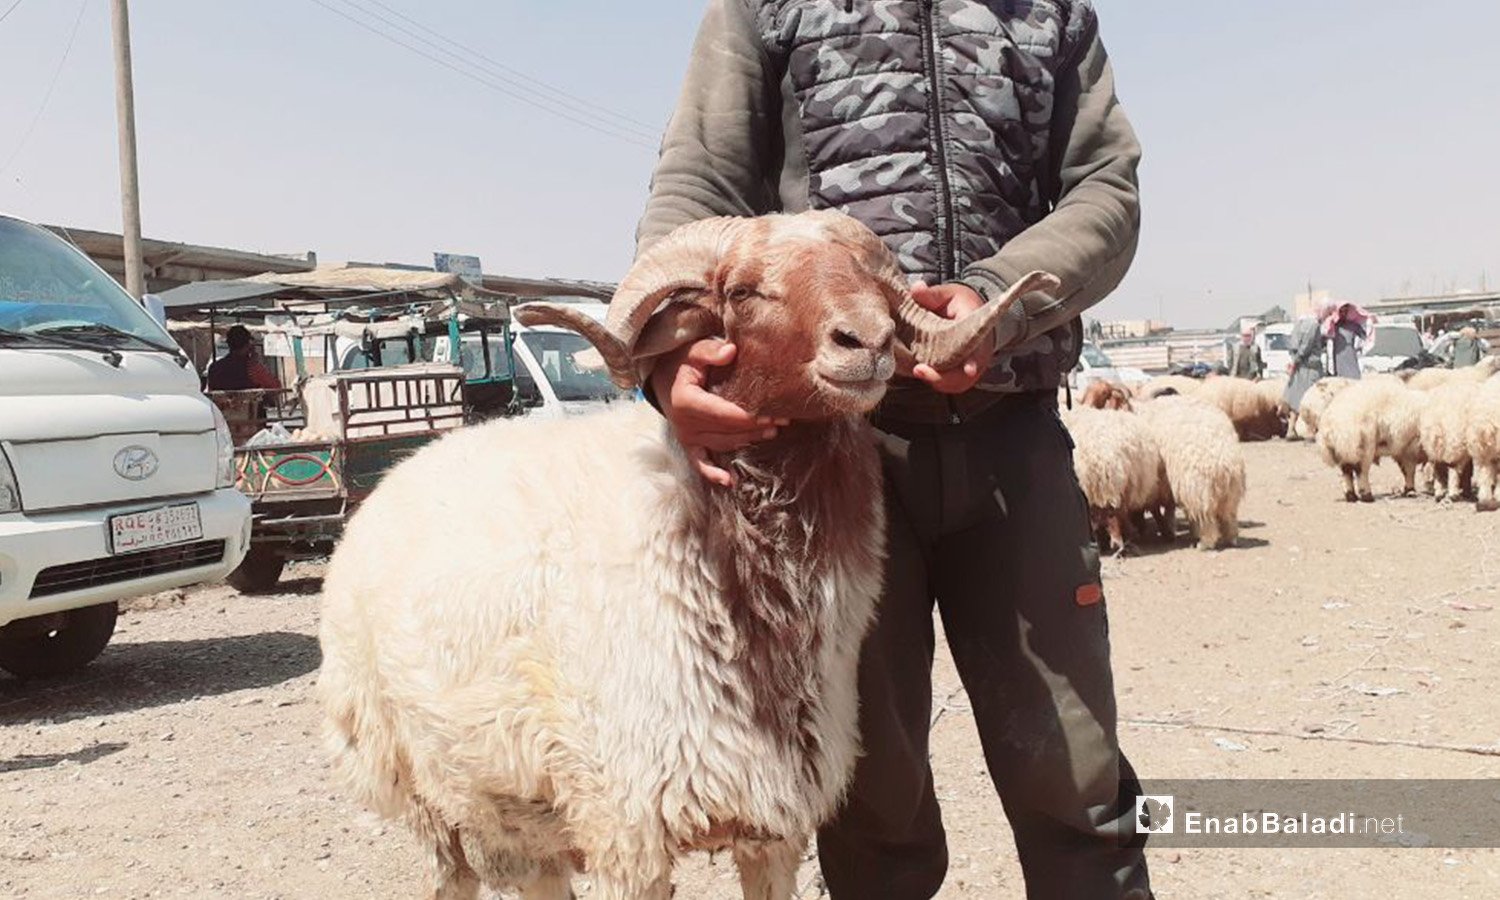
(1209, 535)
(1466, 480)
(1440, 482)
(553, 882)
(1366, 493)
(452, 877)
(1350, 493)
(1165, 514)
(1409, 476)
(1485, 475)
(769, 871)
(1116, 526)
(630, 886)
(1454, 488)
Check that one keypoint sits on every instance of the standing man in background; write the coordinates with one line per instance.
(1467, 349)
(981, 140)
(1247, 362)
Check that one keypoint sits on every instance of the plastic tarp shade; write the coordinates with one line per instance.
(362, 279)
(202, 294)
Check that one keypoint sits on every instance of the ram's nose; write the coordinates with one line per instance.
(878, 338)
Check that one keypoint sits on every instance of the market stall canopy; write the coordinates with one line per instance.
(365, 280)
(204, 294)
(347, 286)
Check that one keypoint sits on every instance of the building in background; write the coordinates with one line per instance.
(169, 264)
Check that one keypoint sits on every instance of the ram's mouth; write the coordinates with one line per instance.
(858, 394)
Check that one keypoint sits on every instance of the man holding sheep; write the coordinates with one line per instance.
(981, 139)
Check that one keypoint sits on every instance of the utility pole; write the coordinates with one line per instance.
(130, 187)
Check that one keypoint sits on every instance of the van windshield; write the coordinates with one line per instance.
(1278, 340)
(571, 364)
(46, 286)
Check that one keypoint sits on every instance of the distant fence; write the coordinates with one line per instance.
(1160, 354)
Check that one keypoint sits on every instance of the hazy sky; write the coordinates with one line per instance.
(1355, 142)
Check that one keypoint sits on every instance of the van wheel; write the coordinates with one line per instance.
(57, 645)
(259, 573)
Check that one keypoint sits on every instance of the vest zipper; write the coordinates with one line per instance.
(947, 248)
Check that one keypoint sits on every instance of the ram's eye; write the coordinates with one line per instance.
(740, 293)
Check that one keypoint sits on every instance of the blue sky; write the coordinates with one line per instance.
(1353, 143)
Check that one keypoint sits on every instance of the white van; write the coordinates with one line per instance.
(116, 473)
(1276, 349)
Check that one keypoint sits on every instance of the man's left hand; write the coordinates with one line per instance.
(953, 301)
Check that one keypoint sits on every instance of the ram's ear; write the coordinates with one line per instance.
(676, 325)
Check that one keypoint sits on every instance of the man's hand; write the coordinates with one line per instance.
(702, 421)
(953, 301)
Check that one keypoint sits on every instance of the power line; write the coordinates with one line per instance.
(604, 128)
(647, 129)
(537, 98)
(47, 97)
(6, 15)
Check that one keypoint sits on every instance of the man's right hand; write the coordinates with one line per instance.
(702, 421)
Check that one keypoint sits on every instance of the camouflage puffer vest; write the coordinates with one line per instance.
(930, 121)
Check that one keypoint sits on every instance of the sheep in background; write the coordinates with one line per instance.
(1119, 468)
(1483, 435)
(1258, 413)
(1372, 419)
(1205, 466)
(1444, 424)
(1428, 379)
(1106, 395)
(1168, 385)
(649, 665)
(1316, 400)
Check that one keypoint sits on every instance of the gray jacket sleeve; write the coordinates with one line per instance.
(1089, 238)
(717, 158)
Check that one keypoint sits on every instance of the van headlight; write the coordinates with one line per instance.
(10, 492)
(227, 475)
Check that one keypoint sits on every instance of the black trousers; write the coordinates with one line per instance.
(988, 523)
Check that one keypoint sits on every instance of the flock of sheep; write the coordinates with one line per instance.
(1440, 426)
(1159, 452)
(1174, 443)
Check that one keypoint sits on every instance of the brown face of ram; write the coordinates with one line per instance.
(813, 326)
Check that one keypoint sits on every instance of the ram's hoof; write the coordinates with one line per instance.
(1351, 497)
(1367, 498)
(1488, 506)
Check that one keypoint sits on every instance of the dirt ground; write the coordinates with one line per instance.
(184, 762)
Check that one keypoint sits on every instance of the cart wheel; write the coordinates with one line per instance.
(259, 573)
(75, 639)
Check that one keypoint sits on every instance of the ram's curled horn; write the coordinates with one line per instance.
(945, 343)
(563, 315)
(683, 261)
(922, 335)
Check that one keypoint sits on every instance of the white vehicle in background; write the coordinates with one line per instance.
(1275, 343)
(116, 473)
(557, 372)
(1395, 342)
(1095, 365)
